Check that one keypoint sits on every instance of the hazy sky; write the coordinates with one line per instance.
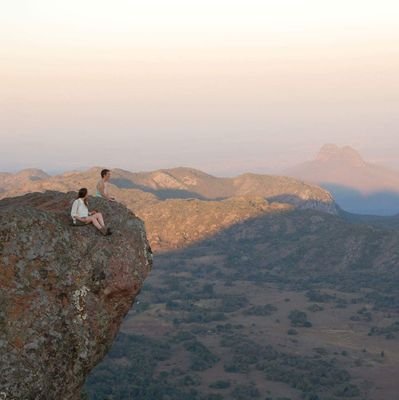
(221, 85)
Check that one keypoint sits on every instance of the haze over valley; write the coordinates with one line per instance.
(199, 200)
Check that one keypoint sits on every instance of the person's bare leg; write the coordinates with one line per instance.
(96, 224)
(100, 219)
(94, 221)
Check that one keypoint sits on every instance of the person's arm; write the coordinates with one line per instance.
(74, 211)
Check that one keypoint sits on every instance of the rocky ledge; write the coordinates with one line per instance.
(64, 291)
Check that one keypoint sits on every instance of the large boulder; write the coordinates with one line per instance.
(64, 291)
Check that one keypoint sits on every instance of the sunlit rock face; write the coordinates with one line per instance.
(63, 291)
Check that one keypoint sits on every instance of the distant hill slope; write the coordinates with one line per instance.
(173, 224)
(202, 185)
(21, 179)
(358, 186)
(141, 189)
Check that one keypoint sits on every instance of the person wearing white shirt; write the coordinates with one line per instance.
(80, 212)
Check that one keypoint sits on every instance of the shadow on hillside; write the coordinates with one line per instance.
(384, 203)
(302, 204)
(161, 194)
(299, 249)
(164, 194)
(291, 222)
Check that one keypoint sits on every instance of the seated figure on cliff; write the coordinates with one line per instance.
(81, 213)
(102, 185)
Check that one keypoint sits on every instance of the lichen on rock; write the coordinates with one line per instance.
(64, 291)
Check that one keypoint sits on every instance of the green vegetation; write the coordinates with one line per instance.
(362, 315)
(299, 318)
(263, 311)
(220, 384)
(233, 303)
(245, 392)
(318, 297)
(389, 331)
(135, 379)
(201, 357)
(208, 296)
(315, 308)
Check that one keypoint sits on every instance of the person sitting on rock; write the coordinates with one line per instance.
(81, 213)
(102, 185)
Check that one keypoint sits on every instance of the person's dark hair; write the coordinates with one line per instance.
(82, 194)
(104, 172)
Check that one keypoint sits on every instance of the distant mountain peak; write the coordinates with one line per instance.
(357, 185)
(345, 154)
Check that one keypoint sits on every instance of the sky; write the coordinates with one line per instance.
(223, 86)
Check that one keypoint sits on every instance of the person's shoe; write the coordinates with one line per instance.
(104, 231)
(109, 232)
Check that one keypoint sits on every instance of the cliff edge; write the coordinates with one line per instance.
(63, 291)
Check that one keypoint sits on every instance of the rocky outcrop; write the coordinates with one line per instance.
(63, 292)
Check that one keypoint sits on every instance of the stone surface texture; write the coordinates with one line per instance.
(64, 291)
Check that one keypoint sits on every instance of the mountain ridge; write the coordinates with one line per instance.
(182, 183)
